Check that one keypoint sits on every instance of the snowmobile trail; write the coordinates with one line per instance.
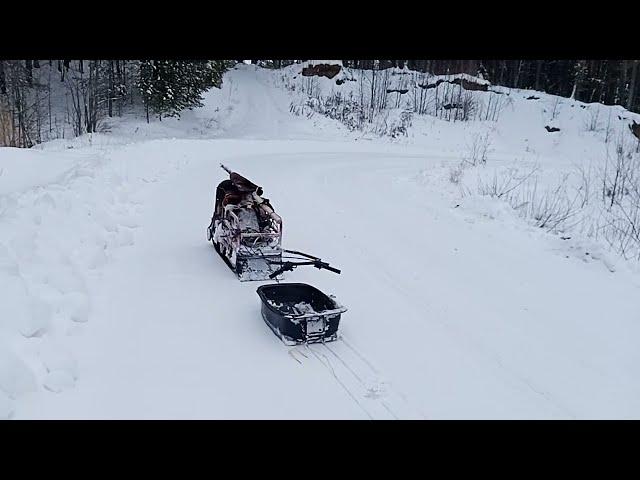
(437, 303)
(259, 114)
(362, 381)
(173, 334)
(339, 378)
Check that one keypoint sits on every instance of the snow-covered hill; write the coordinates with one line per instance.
(114, 305)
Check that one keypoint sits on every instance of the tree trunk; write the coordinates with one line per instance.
(516, 74)
(632, 85)
(49, 100)
(110, 91)
(28, 65)
(538, 70)
(3, 81)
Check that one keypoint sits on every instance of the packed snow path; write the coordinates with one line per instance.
(451, 314)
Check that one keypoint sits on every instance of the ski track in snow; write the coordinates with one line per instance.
(120, 309)
(359, 378)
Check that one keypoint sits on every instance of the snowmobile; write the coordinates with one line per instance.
(247, 233)
(245, 230)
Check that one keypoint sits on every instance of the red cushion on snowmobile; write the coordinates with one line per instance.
(231, 198)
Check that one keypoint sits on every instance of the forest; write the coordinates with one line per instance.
(42, 100)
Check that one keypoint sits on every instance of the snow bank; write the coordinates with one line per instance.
(65, 214)
(16, 378)
(21, 169)
(494, 130)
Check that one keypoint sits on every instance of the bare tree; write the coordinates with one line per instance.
(632, 85)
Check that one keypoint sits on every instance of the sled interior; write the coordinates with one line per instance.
(296, 300)
(299, 313)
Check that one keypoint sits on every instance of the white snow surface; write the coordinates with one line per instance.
(114, 306)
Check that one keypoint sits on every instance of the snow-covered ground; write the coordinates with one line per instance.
(114, 305)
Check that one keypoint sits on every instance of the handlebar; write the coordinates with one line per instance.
(331, 269)
(288, 266)
(302, 254)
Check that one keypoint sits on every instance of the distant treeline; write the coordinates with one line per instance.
(45, 99)
(42, 100)
(612, 82)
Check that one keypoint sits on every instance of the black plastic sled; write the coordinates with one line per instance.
(299, 313)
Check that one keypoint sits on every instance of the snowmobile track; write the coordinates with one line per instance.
(349, 391)
(360, 380)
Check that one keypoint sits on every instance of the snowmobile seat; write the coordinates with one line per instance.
(232, 198)
(224, 188)
(244, 185)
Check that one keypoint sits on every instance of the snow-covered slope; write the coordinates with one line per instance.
(115, 306)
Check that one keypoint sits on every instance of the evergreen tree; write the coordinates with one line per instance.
(170, 86)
